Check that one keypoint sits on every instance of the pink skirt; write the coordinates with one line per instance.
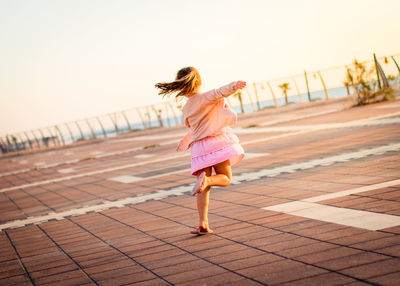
(213, 150)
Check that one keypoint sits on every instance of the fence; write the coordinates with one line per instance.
(310, 86)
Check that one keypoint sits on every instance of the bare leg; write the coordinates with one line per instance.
(222, 177)
(203, 201)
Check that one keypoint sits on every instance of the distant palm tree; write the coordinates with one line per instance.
(285, 87)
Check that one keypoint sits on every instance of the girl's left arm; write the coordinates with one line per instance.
(225, 90)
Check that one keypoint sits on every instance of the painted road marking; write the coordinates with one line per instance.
(315, 127)
(97, 208)
(161, 194)
(253, 130)
(111, 169)
(337, 215)
(132, 178)
(67, 170)
(315, 163)
(143, 156)
(353, 191)
(236, 130)
(373, 222)
(293, 118)
(309, 208)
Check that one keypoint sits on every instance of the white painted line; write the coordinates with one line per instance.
(292, 118)
(150, 137)
(143, 156)
(353, 191)
(264, 139)
(236, 130)
(363, 219)
(254, 175)
(131, 178)
(94, 153)
(73, 161)
(287, 207)
(67, 170)
(254, 155)
(354, 123)
(126, 179)
(97, 208)
(316, 127)
(337, 215)
(315, 163)
(40, 183)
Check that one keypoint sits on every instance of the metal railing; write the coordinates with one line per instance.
(309, 86)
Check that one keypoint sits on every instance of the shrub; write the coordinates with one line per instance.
(365, 88)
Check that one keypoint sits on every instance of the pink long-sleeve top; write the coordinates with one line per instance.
(206, 114)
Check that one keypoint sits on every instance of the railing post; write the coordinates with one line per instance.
(298, 90)
(102, 127)
(308, 89)
(148, 115)
(29, 140)
(141, 118)
(114, 122)
(80, 130)
(52, 136)
(256, 94)
(273, 94)
(323, 84)
(37, 141)
(173, 112)
(44, 141)
(59, 132)
(251, 100)
(70, 133)
(21, 140)
(127, 121)
(167, 115)
(158, 115)
(4, 146)
(91, 129)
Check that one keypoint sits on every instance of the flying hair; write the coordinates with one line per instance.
(186, 83)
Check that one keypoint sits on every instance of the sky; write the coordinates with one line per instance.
(63, 60)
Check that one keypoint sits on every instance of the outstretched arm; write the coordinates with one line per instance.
(226, 90)
(240, 85)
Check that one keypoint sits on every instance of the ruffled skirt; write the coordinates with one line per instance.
(213, 150)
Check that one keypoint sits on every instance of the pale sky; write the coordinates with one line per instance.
(62, 60)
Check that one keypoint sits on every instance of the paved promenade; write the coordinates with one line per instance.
(315, 202)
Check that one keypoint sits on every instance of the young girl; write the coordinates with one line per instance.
(212, 144)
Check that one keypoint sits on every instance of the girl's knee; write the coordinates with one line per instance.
(228, 180)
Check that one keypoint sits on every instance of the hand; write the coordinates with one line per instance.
(240, 84)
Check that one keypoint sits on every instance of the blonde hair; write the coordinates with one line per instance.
(186, 83)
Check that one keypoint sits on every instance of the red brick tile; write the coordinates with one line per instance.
(251, 261)
(10, 268)
(194, 274)
(75, 277)
(389, 279)
(339, 263)
(379, 268)
(326, 279)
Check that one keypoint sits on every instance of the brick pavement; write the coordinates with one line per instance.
(317, 202)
